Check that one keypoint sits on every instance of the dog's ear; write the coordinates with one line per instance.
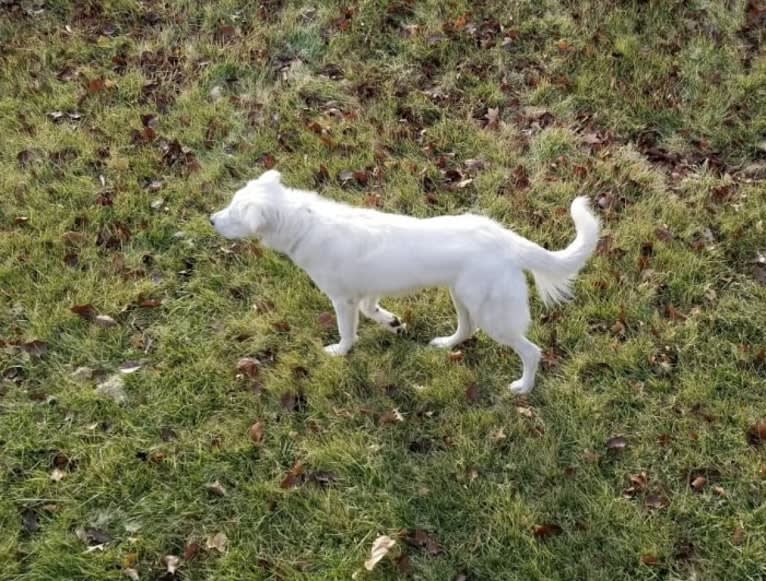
(272, 176)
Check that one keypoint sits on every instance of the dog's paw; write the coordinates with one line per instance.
(519, 388)
(443, 342)
(396, 327)
(336, 350)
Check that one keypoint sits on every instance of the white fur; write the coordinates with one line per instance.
(357, 255)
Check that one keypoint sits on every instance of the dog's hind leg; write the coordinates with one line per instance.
(389, 321)
(347, 314)
(502, 312)
(465, 326)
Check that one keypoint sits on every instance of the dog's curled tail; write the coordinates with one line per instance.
(554, 274)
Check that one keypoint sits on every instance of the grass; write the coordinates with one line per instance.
(655, 109)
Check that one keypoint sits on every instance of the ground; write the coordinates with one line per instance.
(234, 449)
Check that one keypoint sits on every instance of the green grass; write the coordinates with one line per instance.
(656, 109)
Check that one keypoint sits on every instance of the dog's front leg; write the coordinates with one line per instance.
(347, 314)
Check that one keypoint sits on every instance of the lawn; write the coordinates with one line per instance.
(166, 410)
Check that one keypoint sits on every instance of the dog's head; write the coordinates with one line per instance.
(249, 213)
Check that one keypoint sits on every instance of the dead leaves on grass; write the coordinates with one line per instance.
(380, 548)
(89, 313)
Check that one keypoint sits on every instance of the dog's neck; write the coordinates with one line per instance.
(289, 222)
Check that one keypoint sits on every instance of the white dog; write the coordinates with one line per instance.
(357, 255)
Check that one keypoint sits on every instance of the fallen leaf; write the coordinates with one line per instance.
(738, 536)
(638, 483)
(698, 483)
(393, 416)
(592, 138)
(472, 393)
(57, 475)
(248, 367)
(498, 435)
(217, 541)
(294, 401)
(172, 563)
(257, 432)
(756, 434)
(404, 565)
(216, 488)
(112, 388)
(493, 118)
(87, 312)
(129, 367)
(546, 530)
(104, 321)
(294, 477)
(30, 520)
(664, 234)
(326, 321)
(655, 501)
(425, 541)
(616, 444)
(191, 550)
(35, 347)
(649, 560)
(82, 374)
(93, 536)
(719, 490)
(380, 548)
(268, 161)
(362, 177)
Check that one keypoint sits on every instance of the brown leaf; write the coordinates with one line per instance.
(257, 432)
(113, 236)
(546, 530)
(268, 161)
(403, 565)
(294, 477)
(191, 550)
(424, 541)
(294, 401)
(281, 326)
(248, 367)
(738, 536)
(225, 34)
(373, 201)
(520, 177)
(35, 347)
(327, 321)
(362, 176)
(393, 416)
(322, 176)
(87, 312)
(698, 483)
(455, 356)
(655, 501)
(216, 488)
(664, 234)
(616, 444)
(472, 393)
(674, 314)
(96, 85)
(649, 560)
(756, 434)
(638, 483)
